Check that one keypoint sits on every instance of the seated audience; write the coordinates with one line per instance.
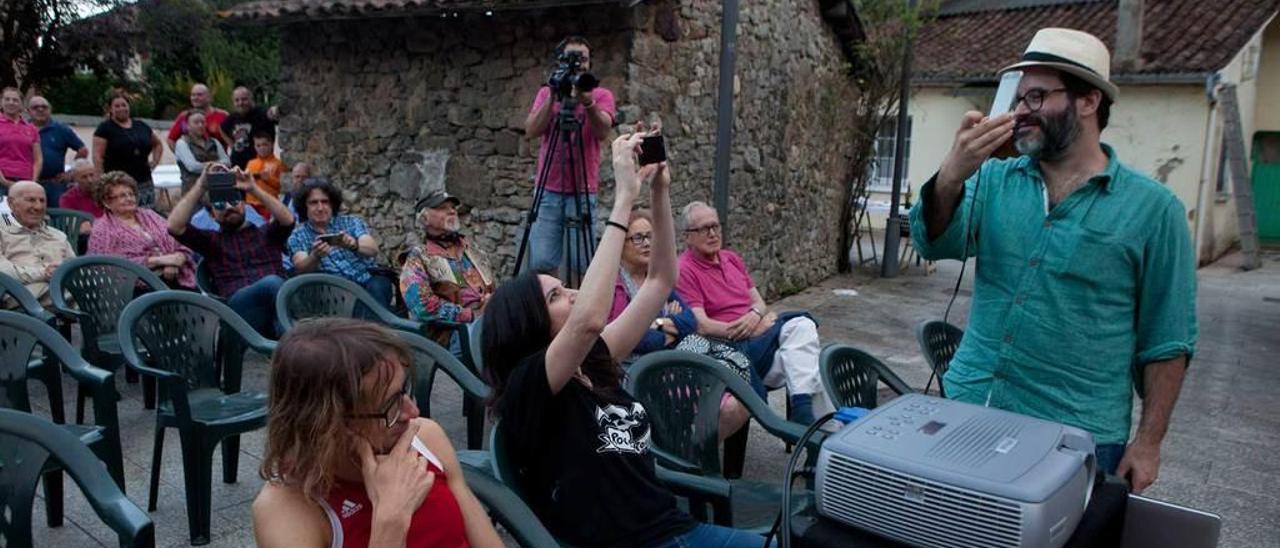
(139, 234)
(675, 325)
(348, 462)
(204, 220)
(444, 278)
(243, 260)
(716, 285)
(30, 249)
(346, 249)
(80, 194)
(578, 441)
(196, 148)
(266, 168)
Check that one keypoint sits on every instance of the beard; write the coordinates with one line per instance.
(1057, 133)
(231, 222)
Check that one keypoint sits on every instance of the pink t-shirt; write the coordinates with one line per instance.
(16, 154)
(557, 181)
(722, 290)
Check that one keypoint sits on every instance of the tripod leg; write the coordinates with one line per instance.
(539, 194)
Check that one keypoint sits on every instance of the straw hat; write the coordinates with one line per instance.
(1075, 52)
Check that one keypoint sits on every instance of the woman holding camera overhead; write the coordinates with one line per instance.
(579, 442)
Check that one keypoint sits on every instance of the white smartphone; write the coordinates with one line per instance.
(1006, 94)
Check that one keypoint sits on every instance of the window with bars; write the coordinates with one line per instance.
(880, 178)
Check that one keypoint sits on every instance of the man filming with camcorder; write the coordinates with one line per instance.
(573, 115)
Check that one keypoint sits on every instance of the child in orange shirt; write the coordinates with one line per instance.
(266, 169)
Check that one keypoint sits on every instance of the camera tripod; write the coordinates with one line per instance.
(578, 242)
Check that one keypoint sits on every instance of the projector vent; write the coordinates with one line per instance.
(976, 441)
(918, 511)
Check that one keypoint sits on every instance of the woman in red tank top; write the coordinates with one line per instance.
(348, 462)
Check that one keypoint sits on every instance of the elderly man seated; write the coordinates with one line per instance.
(30, 250)
(715, 283)
(444, 278)
(243, 260)
(330, 241)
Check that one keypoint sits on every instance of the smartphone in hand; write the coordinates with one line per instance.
(653, 149)
(1006, 94)
(222, 187)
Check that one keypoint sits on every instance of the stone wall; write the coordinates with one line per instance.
(790, 154)
(392, 108)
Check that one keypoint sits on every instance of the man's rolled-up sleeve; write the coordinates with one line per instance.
(951, 243)
(1166, 317)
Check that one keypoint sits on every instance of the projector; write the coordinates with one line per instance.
(933, 472)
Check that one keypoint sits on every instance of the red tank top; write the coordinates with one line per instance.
(437, 523)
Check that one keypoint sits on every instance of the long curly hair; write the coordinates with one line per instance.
(317, 380)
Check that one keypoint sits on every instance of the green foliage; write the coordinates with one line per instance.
(188, 45)
(42, 41)
(86, 94)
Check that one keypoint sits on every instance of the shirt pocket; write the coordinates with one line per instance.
(1101, 260)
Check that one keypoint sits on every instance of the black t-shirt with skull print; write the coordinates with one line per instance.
(582, 460)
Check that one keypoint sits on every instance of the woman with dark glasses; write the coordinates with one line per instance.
(348, 462)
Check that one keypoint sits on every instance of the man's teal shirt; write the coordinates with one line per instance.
(1068, 305)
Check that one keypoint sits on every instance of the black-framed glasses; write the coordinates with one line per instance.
(390, 411)
(705, 231)
(1035, 98)
(640, 238)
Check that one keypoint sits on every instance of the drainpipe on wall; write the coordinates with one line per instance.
(1208, 179)
(1129, 35)
(724, 111)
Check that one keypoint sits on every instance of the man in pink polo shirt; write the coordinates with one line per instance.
(783, 348)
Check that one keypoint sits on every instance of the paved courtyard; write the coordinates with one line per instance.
(1219, 455)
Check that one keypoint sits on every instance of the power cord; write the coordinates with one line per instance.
(964, 262)
(845, 415)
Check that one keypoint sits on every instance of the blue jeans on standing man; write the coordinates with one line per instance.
(546, 238)
(256, 303)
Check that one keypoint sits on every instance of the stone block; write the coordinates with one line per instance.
(507, 143)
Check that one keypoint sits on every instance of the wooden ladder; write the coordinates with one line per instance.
(1233, 135)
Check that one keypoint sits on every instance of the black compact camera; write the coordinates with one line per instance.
(568, 75)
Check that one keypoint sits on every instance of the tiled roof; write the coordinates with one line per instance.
(972, 39)
(276, 11)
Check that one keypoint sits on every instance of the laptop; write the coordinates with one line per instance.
(1150, 523)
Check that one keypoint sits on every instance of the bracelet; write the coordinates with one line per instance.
(618, 226)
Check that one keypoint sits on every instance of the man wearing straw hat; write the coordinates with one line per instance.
(1085, 278)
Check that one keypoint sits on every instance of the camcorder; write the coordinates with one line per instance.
(569, 74)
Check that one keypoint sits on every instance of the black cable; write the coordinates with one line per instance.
(784, 513)
(964, 262)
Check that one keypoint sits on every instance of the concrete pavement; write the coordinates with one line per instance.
(1219, 455)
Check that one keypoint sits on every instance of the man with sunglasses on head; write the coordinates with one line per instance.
(1085, 284)
(783, 348)
(244, 261)
(55, 140)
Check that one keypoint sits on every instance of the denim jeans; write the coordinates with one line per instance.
(256, 303)
(546, 238)
(706, 535)
(1109, 455)
(379, 287)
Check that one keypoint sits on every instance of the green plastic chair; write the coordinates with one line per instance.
(204, 282)
(13, 291)
(852, 377)
(681, 392)
(27, 443)
(194, 347)
(698, 490)
(938, 342)
(20, 337)
(94, 290)
(429, 357)
(68, 222)
(318, 295)
(508, 509)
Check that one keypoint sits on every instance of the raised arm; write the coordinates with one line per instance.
(180, 215)
(591, 308)
(624, 333)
